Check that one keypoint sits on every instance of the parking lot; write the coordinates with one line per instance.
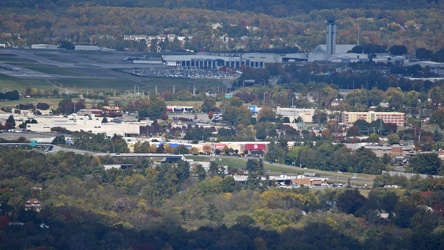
(181, 73)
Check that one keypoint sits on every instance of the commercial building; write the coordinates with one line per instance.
(44, 46)
(294, 113)
(388, 117)
(85, 123)
(212, 61)
(229, 60)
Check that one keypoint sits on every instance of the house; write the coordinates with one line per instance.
(33, 204)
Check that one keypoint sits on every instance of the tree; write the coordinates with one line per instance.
(209, 104)
(353, 131)
(437, 117)
(424, 54)
(350, 201)
(393, 139)
(183, 170)
(228, 184)
(60, 139)
(428, 163)
(119, 144)
(153, 110)
(267, 114)
(68, 45)
(199, 170)
(276, 152)
(237, 115)
(394, 96)
(42, 106)
(214, 169)
(397, 50)
(11, 121)
(438, 56)
(373, 137)
(255, 170)
(367, 162)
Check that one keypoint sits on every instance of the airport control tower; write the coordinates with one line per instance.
(330, 38)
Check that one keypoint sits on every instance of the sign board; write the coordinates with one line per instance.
(33, 143)
(228, 95)
(255, 146)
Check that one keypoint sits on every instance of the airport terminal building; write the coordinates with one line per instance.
(218, 60)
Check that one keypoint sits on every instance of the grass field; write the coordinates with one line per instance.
(19, 84)
(100, 84)
(277, 169)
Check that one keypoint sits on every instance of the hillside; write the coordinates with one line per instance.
(243, 25)
(278, 8)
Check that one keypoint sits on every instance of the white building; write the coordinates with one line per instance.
(44, 46)
(294, 113)
(85, 123)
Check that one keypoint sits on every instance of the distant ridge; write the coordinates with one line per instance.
(278, 8)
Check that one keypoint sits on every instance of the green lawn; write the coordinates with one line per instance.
(101, 84)
(276, 169)
(53, 102)
(19, 84)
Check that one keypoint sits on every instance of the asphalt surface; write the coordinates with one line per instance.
(82, 64)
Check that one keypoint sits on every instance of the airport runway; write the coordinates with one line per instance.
(82, 64)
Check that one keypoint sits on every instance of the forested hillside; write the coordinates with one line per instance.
(106, 26)
(270, 7)
(85, 207)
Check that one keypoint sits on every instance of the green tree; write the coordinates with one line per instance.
(237, 115)
(394, 97)
(119, 144)
(373, 137)
(200, 172)
(424, 54)
(393, 139)
(153, 110)
(209, 104)
(437, 117)
(10, 122)
(255, 170)
(183, 170)
(60, 139)
(228, 185)
(398, 50)
(428, 163)
(266, 114)
(214, 168)
(367, 162)
(276, 152)
(350, 201)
